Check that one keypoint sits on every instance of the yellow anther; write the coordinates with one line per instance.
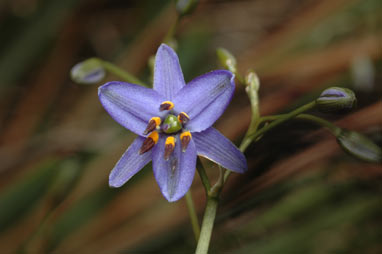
(185, 138)
(183, 117)
(155, 136)
(185, 134)
(156, 119)
(169, 147)
(166, 105)
(152, 125)
(170, 141)
(149, 142)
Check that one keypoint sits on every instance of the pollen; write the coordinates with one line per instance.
(183, 117)
(155, 136)
(152, 125)
(170, 141)
(169, 147)
(185, 138)
(149, 142)
(166, 105)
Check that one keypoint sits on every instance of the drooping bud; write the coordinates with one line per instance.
(152, 125)
(359, 146)
(171, 124)
(185, 139)
(88, 72)
(227, 59)
(169, 147)
(185, 7)
(166, 105)
(183, 118)
(336, 99)
(149, 142)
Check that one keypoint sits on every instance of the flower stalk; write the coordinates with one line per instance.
(253, 85)
(283, 119)
(207, 225)
(193, 215)
(203, 175)
(335, 130)
(112, 68)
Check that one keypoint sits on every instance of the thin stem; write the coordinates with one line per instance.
(252, 91)
(203, 175)
(193, 216)
(240, 78)
(215, 190)
(112, 68)
(270, 118)
(277, 119)
(280, 120)
(171, 32)
(207, 226)
(320, 121)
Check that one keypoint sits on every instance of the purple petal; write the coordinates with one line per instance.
(205, 98)
(168, 76)
(129, 164)
(217, 148)
(130, 105)
(175, 175)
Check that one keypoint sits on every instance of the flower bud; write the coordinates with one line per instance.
(252, 80)
(185, 7)
(336, 99)
(359, 146)
(226, 59)
(88, 72)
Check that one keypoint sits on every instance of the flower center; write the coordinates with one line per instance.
(171, 124)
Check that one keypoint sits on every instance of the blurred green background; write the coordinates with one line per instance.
(302, 194)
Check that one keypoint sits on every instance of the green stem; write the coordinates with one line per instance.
(283, 119)
(193, 216)
(322, 122)
(112, 68)
(252, 91)
(239, 78)
(277, 119)
(215, 190)
(207, 225)
(203, 175)
(171, 32)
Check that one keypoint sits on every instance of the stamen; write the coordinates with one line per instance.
(185, 139)
(166, 105)
(153, 123)
(169, 147)
(183, 118)
(149, 142)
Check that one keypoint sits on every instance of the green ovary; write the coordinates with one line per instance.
(172, 123)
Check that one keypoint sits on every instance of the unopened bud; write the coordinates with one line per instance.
(336, 99)
(252, 80)
(359, 146)
(88, 72)
(185, 7)
(227, 59)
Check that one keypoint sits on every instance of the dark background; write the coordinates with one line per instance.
(302, 194)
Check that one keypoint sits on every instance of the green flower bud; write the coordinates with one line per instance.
(336, 99)
(227, 59)
(359, 146)
(185, 7)
(88, 72)
(252, 80)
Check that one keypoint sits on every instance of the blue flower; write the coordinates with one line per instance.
(173, 123)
